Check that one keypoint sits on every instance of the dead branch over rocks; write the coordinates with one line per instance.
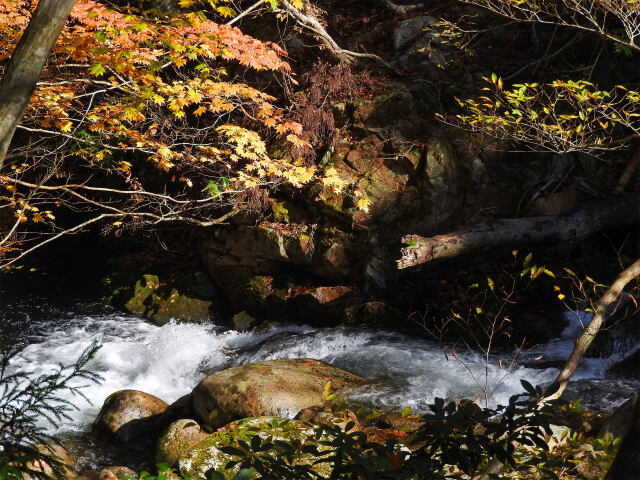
(591, 218)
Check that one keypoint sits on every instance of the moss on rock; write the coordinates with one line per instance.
(208, 453)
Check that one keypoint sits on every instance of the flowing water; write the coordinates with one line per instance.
(169, 361)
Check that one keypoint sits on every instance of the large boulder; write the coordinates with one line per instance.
(276, 387)
(208, 453)
(178, 438)
(130, 416)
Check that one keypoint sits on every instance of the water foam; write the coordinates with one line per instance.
(169, 361)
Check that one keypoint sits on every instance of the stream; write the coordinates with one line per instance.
(169, 361)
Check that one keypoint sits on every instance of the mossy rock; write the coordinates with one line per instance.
(160, 303)
(275, 387)
(177, 439)
(208, 454)
(280, 212)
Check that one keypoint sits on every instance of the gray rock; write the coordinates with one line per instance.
(618, 424)
(411, 30)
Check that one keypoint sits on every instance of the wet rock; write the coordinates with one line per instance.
(176, 439)
(325, 305)
(620, 333)
(208, 453)
(58, 453)
(131, 416)
(174, 293)
(367, 312)
(275, 387)
(618, 424)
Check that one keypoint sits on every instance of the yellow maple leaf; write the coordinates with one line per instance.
(65, 126)
(363, 204)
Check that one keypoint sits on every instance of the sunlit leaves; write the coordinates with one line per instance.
(562, 116)
(126, 89)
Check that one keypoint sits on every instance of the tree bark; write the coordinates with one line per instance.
(599, 316)
(596, 216)
(26, 64)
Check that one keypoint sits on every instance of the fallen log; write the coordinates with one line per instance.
(593, 217)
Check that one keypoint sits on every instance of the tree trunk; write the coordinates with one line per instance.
(599, 215)
(26, 64)
(629, 452)
(584, 340)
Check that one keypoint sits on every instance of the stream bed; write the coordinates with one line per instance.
(169, 361)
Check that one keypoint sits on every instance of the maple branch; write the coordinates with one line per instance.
(120, 216)
(310, 22)
(245, 12)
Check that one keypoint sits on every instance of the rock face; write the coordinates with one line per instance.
(325, 259)
(176, 439)
(618, 424)
(277, 387)
(130, 416)
(207, 454)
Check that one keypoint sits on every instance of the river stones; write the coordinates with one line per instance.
(276, 387)
(207, 454)
(130, 416)
(176, 439)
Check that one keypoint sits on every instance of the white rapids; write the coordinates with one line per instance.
(169, 361)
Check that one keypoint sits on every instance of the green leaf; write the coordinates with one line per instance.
(96, 70)
(528, 387)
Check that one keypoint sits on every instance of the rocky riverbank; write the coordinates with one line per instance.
(281, 401)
